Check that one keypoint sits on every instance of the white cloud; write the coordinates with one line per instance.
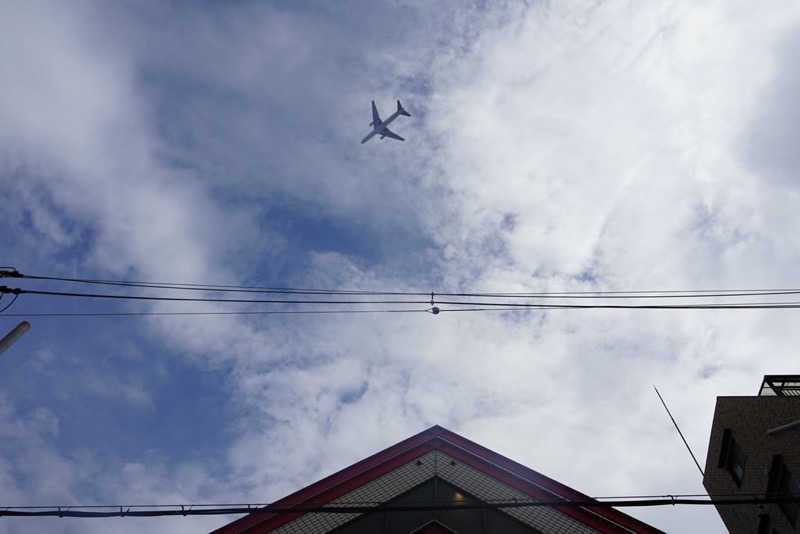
(561, 147)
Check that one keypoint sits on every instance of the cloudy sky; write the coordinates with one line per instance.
(553, 146)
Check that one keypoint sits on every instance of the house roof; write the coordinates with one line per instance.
(384, 469)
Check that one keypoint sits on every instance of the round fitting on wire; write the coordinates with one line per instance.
(435, 310)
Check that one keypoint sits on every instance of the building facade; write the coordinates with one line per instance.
(436, 482)
(754, 449)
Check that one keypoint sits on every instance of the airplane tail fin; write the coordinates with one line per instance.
(402, 111)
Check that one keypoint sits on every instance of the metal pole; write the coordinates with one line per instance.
(14, 335)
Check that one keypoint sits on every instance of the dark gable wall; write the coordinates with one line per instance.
(436, 490)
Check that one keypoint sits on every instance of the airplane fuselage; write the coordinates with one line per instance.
(380, 127)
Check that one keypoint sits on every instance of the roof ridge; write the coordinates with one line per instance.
(471, 453)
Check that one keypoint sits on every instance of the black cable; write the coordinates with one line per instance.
(186, 510)
(271, 312)
(375, 503)
(226, 288)
(496, 309)
(457, 303)
(631, 294)
(743, 305)
(638, 294)
(7, 306)
(5, 289)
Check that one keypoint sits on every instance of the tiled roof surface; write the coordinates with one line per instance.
(415, 472)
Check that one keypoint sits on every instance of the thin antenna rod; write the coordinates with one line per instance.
(679, 431)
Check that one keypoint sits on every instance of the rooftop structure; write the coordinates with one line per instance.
(413, 487)
(780, 386)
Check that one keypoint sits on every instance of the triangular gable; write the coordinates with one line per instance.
(433, 527)
(454, 456)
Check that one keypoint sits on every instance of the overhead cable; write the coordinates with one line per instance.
(7, 306)
(213, 313)
(519, 305)
(591, 294)
(343, 508)
(17, 291)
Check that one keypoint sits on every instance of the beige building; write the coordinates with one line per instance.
(754, 449)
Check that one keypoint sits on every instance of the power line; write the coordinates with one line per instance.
(733, 306)
(520, 305)
(7, 306)
(634, 294)
(270, 312)
(439, 302)
(227, 288)
(343, 508)
(211, 287)
(370, 503)
(19, 291)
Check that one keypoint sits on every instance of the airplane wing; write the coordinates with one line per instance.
(386, 132)
(376, 119)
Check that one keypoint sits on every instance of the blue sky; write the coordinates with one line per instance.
(552, 146)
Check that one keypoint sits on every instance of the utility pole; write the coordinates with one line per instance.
(14, 335)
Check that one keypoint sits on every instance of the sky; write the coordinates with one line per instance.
(553, 146)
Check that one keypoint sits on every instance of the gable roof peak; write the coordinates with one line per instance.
(439, 440)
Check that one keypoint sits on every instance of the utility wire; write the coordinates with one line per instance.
(710, 306)
(370, 503)
(270, 312)
(229, 288)
(4, 289)
(466, 301)
(520, 305)
(639, 294)
(213, 287)
(186, 510)
(7, 306)
(634, 294)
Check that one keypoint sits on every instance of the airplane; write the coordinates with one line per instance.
(379, 127)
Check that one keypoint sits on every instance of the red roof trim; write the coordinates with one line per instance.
(549, 484)
(314, 490)
(271, 522)
(605, 520)
(536, 491)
